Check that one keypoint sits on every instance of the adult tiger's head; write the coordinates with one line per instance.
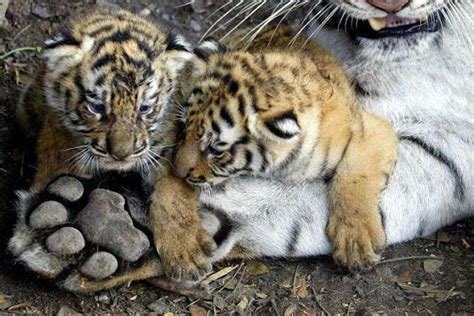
(109, 77)
(373, 29)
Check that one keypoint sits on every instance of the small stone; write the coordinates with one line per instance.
(159, 306)
(68, 188)
(48, 214)
(65, 241)
(145, 12)
(66, 311)
(105, 222)
(166, 17)
(107, 3)
(103, 298)
(42, 11)
(195, 26)
(100, 265)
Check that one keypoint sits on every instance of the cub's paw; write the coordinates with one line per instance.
(72, 230)
(186, 259)
(356, 241)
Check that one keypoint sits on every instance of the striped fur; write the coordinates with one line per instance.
(292, 116)
(104, 88)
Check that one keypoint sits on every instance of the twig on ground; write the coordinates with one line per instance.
(275, 307)
(18, 50)
(172, 286)
(318, 301)
(407, 258)
(295, 276)
(21, 32)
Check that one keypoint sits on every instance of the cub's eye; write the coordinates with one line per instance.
(96, 108)
(145, 109)
(214, 152)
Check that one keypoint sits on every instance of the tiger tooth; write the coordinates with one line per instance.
(424, 19)
(377, 23)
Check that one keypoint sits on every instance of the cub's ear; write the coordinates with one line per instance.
(209, 47)
(178, 52)
(280, 127)
(65, 49)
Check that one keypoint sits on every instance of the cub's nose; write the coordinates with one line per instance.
(389, 6)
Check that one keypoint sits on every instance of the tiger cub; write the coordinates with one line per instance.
(291, 115)
(100, 101)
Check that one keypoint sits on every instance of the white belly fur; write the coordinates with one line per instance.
(430, 97)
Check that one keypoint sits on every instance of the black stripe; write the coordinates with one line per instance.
(104, 60)
(102, 29)
(226, 224)
(460, 188)
(294, 236)
(291, 157)
(135, 62)
(272, 124)
(232, 85)
(65, 38)
(227, 117)
(241, 105)
(215, 127)
(248, 159)
(80, 87)
(262, 150)
(173, 44)
(197, 91)
(118, 37)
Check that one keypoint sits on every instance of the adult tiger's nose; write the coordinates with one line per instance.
(389, 6)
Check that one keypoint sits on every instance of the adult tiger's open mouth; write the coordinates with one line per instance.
(393, 25)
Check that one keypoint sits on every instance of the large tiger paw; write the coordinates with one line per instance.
(74, 233)
(356, 242)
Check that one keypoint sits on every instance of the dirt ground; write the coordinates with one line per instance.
(405, 282)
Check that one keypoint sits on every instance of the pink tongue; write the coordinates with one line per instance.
(394, 21)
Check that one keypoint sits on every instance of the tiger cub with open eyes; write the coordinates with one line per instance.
(102, 101)
(291, 115)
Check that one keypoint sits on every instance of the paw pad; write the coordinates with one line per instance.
(48, 214)
(68, 188)
(100, 265)
(105, 222)
(66, 241)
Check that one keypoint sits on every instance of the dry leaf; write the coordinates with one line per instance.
(432, 265)
(219, 274)
(197, 310)
(466, 244)
(405, 277)
(4, 301)
(261, 295)
(257, 268)
(291, 310)
(309, 312)
(66, 311)
(244, 302)
(168, 314)
(218, 301)
(301, 289)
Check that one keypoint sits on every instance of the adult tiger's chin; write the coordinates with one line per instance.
(393, 30)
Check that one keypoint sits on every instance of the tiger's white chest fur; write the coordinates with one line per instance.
(427, 93)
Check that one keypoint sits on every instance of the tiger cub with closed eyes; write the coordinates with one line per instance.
(291, 115)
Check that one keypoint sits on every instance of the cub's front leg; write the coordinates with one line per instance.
(182, 243)
(355, 225)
